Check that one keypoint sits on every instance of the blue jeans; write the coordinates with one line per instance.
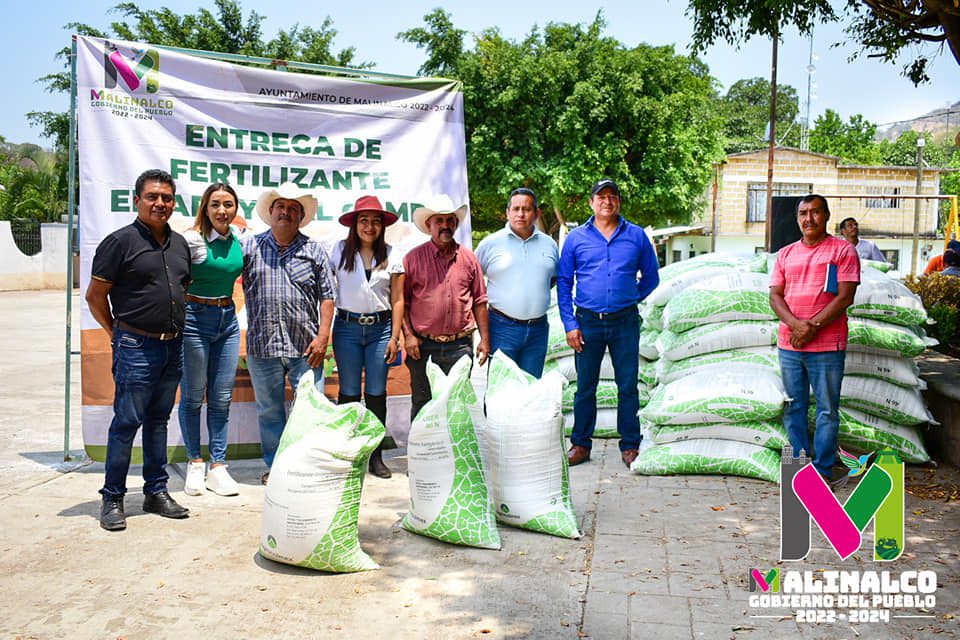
(524, 344)
(822, 370)
(444, 355)
(146, 372)
(211, 348)
(360, 348)
(268, 376)
(621, 333)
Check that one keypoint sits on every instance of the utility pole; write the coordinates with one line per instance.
(773, 137)
(921, 142)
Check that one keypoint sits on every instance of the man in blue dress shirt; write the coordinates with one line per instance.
(614, 267)
(520, 263)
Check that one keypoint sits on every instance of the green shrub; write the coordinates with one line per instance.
(941, 298)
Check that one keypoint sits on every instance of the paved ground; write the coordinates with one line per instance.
(662, 557)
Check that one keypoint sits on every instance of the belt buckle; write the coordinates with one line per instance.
(602, 314)
(366, 320)
(444, 339)
(167, 336)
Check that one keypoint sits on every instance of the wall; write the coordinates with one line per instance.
(46, 270)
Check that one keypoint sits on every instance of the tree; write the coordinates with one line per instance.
(443, 42)
(746, 111)
(566, 106)
(885, 28)
(853, 141)
(32, 185)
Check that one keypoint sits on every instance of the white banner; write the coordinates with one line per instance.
(204, 121)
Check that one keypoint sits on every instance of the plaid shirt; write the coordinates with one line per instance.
(283, 294)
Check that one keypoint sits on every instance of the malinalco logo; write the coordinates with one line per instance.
(804, 494)
(765, 582)
(140, 71)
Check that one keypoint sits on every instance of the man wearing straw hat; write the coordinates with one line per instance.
(445, 299)
(288, 288)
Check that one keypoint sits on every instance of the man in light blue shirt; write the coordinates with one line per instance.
(604, 257)
(850, 230)
(520, 263)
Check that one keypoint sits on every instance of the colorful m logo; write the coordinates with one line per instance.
(879, 497)
(765, 582)
(143, 66)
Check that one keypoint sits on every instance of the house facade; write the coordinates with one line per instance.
(737, 214)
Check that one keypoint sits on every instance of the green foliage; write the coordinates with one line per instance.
(227, 31)
(853, 141)
(885, 28)
(941, 298)
(33, 186)
(566, 106)
(443, 42)
(746, 112)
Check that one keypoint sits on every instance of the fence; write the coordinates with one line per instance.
(26, 235)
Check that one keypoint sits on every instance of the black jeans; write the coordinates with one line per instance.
(444, 355)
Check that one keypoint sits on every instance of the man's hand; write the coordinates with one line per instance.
(483, 350)
(316, 352)
(575, 340)
(802, 333)
(412, 344)
(392, 349)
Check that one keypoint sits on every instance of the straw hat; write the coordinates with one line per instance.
(287, 191)
(438, 205)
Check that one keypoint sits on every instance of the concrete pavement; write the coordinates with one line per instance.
(662, 557)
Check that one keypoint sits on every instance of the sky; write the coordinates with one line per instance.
(864, 86)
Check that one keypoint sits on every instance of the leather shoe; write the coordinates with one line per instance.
(629, 456)
(162, 504)
(577, 455)
(112, 517)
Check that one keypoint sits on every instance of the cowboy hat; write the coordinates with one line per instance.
(371, 204)
(439, 205)
(287, 191)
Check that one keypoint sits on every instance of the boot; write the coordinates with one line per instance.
(378, 406)
(343, 398)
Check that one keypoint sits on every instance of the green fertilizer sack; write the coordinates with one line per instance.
(312, 502)
(864, 433)
(690, 274)
(695, 457)
(894, 369)
(880, 398)
(730, 296)
(449, 500)
(606, 394)
(769, 434)
(670, 370)
(525, 453)
(722, 336)
(885, 338)
(604, 428)
(566, 366)
(739, 394)
(648, 343)
(880, 297)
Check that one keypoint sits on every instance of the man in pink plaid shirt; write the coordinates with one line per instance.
(812, 284)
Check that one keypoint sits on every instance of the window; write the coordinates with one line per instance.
(692, 254)
(883, 203)
(893, 257)
(757, 197)
(677, 256)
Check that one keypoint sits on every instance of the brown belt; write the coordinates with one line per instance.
(123, 326)
(450, 338)
(213, 302)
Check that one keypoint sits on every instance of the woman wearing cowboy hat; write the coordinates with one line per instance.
(369, 311)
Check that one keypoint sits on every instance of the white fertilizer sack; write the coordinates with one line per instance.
(883, 399)
(722, 336)
(670, 370)
(766, 433)
(312, 502)
(724, 457)
(880, 297)
(525, 452)
(730, 296)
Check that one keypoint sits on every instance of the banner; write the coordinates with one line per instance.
(142, 107)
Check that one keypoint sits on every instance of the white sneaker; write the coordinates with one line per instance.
(193, 485)
(220, 482)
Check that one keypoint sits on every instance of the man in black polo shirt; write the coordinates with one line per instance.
(138, 280)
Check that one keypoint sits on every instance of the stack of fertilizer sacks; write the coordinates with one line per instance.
(718, 403)
(880, 401)
(560, 357)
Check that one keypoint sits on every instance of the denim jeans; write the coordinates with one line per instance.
(359, 348)
(524, 344)
(211, 347)
(822, 370)
(268, 376)
(146, 372)
(621, 334)
(443, 354)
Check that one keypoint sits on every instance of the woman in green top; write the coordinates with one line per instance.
(211, 338)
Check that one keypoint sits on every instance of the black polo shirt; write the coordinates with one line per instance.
(149, 280)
